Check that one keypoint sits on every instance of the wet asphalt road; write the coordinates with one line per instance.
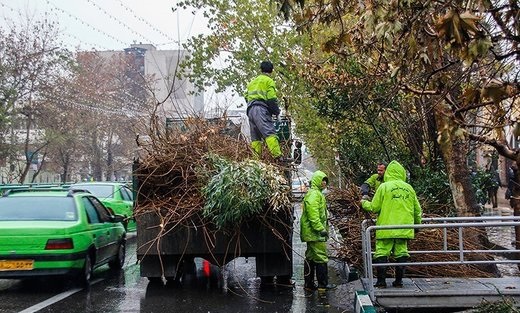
(235, 289)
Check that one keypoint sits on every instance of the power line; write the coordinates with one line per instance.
(118, 20)
(124, 60)
(129, 10)
(87, 24)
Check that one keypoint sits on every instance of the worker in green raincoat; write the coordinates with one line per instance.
(395, 203)
(314, 230)
(374, 181)
(262, 104)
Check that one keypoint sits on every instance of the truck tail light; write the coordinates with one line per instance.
(58, 244)
(206, 269)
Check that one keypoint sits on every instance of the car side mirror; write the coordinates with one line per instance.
(111, 211)
(118, 218)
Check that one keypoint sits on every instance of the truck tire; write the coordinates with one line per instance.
(266, 280)
(174, 282)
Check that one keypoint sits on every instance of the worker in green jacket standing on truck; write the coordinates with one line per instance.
(395, 203)
(314, 230)
(262, 104)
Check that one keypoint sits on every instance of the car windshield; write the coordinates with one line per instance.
(100, 191)
(37, 209)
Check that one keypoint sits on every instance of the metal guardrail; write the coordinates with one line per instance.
(443, 223)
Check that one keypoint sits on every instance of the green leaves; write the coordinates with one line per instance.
(237, 191)
(242, 34)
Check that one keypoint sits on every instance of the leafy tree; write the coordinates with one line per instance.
(64, 127)
(105, 103)
(447, 59)
(242, 34)
(31, 61)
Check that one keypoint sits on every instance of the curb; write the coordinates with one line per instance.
(362, 303)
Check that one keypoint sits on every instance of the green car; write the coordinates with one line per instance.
(48, 232)
(115, 196)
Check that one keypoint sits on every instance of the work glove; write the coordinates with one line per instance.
(324, 233)
(365, 197)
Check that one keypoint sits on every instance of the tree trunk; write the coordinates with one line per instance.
(454, 147)
(65, 163)
(28, 158)
(42, 163)
(97, 162)
(514, 201)
(110, 159)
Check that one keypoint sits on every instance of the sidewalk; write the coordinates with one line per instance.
(503, 209)
(340, 299)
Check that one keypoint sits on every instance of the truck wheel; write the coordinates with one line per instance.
(174, 282)
(266, 280)
(189, 266)
(284, 280)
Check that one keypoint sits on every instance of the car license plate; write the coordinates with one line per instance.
(16, 265)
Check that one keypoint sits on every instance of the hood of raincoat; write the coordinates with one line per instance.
(313, 220)
(316, 179)
(395, 202)
(395, 171)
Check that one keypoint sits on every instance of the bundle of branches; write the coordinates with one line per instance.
(348, 215)
(237, 191)
(168, 182)
(202, 164)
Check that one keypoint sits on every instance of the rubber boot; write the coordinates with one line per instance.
(399, 272)
(274, 146)
(308, 274)
(257, 148)
(381, 272)
(322, 275)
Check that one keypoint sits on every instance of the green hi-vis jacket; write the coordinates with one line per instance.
(262, 90)
(396, 203)
(373, 182)
(314, 211)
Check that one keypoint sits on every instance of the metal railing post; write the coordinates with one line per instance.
(369, 263)
(461, 245)
(445, 235)
(458, 223)
(363, 246)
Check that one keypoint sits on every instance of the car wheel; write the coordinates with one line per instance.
(87, 271)
(119, 261)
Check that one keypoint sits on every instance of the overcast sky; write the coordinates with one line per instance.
(116, 24)
(111, 24)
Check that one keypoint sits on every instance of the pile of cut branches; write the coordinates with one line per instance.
(347, 216)
(200, 173)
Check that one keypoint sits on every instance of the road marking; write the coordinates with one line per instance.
(56, 298)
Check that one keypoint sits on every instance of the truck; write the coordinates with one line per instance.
(168, 251)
